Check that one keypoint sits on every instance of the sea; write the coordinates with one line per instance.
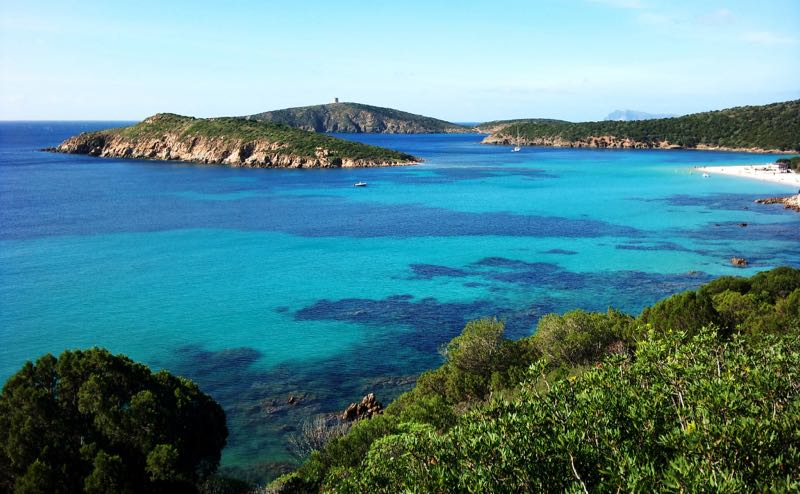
(267, 286)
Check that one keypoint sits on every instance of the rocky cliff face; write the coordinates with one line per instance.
(610, 142)
(179, 145)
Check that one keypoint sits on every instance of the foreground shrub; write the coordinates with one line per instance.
(687, 311)
(578, 337)
(684, 415)
(90, 421)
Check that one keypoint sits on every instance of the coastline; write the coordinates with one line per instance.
(612, 142)
(764, 172)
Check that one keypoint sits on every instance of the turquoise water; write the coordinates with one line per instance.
(265, 284)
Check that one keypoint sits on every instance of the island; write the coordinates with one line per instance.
(773, 128)
(358, 118)
(230, 141)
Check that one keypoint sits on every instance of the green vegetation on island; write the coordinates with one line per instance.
(769, 127)
(700, 392)
(497, 125)
(89, 421)
(228, 140)
(357, 118)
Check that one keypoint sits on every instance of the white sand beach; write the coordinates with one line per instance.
(766, 172)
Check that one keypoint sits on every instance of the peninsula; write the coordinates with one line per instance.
(230, 141)
(358, 118)
(758, 129)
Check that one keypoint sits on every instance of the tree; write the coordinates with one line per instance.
(90, 421)
(578, 337)
(687, 311)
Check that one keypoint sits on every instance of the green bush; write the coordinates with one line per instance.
(578, 337)
(775, 284)
(723, 283)
(479, 347)
(686, 414)
(90, 421)
(688, 311)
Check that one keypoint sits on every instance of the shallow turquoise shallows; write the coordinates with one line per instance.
(267, 284)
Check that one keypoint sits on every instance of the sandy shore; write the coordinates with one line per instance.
(768, 173)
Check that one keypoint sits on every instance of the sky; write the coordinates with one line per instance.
(461, 61)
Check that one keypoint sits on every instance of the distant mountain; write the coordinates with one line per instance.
(229, 141)
(774, 127)
(357, 118)
(629, 115)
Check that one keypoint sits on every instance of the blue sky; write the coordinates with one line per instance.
(461, 61)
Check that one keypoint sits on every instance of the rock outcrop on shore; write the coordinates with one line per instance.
(367, 408)
(229, 141)
(791, 202)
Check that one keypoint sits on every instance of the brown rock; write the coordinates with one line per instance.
(791, 202)
(739, 261)
(367, 408)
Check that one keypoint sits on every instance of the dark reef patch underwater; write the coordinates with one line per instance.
(266, 285)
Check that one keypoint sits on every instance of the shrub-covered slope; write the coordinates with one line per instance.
(357, 118)
(748, 128)
(231, 141)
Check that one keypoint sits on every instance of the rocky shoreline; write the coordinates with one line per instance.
(613, 142)
(220, 151)
(172, 138)
(791, 202)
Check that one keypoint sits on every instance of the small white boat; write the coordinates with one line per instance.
(360, 184)
(516, 146)
(706, 175)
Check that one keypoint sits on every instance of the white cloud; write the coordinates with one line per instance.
(769, 38)
(621, 4)
(719, 17)
(655, 19)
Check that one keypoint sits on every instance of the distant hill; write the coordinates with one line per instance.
(774, 127)
(629, 115)
(357, 118)
(497, 125)
(229, 141)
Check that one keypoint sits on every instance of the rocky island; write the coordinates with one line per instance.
(358, 118)
(230, 141)
(759, 129)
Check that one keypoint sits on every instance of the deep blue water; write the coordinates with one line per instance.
(265, 284)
